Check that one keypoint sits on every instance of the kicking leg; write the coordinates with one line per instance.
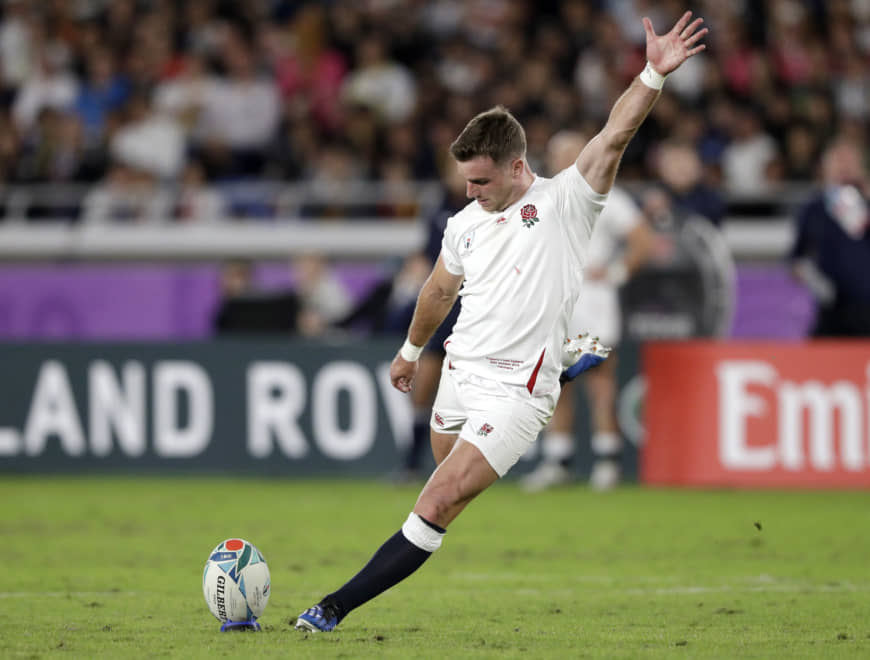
(501, 428)
(442, 445)
(460, 476)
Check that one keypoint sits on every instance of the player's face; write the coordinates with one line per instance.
(492, 185)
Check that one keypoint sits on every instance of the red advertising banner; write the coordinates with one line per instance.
(757, 414)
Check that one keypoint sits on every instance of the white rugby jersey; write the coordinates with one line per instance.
(523, 268)
(618, 218)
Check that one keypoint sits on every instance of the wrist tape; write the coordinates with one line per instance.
(652, 78)
(410, 352)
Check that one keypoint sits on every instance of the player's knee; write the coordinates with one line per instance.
(434, 509)
(438, 502)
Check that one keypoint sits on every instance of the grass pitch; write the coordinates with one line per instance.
(111, 567)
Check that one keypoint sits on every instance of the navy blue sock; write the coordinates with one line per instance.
(395, 560)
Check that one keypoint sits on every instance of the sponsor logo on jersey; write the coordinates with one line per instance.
(467, 240)
(502, 220)
(486, 429)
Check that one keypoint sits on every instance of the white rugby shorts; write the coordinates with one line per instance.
(501, 420)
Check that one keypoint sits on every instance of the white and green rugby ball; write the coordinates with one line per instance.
(236, 582)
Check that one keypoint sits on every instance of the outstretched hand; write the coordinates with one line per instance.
(668, 51)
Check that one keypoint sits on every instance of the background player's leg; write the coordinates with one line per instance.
(606, 442)
(422, 396)
(557, 446)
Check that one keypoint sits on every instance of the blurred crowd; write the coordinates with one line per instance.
(173, 95)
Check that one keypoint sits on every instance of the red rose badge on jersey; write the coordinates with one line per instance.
(529, 215)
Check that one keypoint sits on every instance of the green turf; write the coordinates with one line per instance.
(111, 567)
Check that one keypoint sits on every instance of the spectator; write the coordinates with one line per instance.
(400, 198)
(791, 41)
(335, 167)
(324, 302)
(737, 57)
(749, 160)
(105, 90)
(152, 56)
(307, 71)
(202, 33)
(196, 201)
(602, 67)
(118, 23)
(831, 253)
(240, 114)
(244, 309)
(54, 152)
(296, 146)
(127, 196)
(184, 95)
(852, 87)
(17, 47)
(263, 88)
(801, 151)
(380, 83)
(681, 173)
(148, 141)
(52, 86)
(9, 147)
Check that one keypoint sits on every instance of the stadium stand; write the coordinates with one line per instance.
(212, 130)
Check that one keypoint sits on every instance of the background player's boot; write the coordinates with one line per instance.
(547, 475)
(606, 474)
(581, 354)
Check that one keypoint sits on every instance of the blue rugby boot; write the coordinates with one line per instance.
(581, 354)
(320, 618)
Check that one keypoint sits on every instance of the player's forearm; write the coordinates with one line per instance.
(599, 160)
(627, 114)
(433, 305)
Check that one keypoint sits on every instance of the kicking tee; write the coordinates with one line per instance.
(523, 268)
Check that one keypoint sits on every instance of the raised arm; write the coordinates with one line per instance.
(599, 160)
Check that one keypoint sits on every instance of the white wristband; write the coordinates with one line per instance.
(652, 78)
(410, 352)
